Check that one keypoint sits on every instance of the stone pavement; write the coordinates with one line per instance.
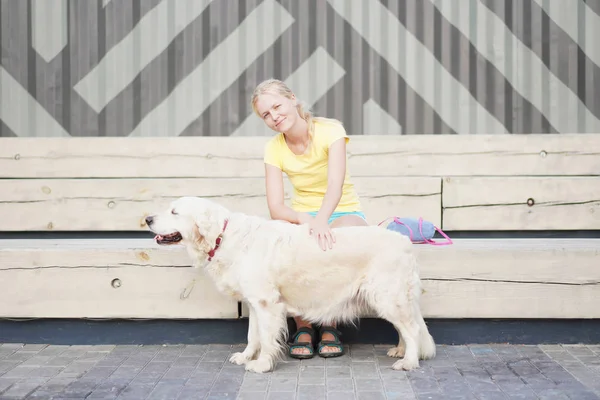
(203, 372)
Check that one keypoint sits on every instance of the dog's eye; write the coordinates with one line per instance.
(173, 212)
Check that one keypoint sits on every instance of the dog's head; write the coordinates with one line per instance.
(190, 221)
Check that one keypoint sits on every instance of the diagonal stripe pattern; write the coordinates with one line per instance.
(22, 114)
(148, 39)
(188, 67)
(544, 89)
(304, 86)
(194, 94)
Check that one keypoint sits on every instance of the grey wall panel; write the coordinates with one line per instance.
(188, 67)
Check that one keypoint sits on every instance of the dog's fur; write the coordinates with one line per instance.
(278, 268)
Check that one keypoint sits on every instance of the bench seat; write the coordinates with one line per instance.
(135, 278)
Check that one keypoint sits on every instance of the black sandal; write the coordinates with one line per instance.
(330, 343)
(303, 345)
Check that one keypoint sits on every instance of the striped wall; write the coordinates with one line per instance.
(188, 67)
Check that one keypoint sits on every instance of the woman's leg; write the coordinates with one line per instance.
(345, 220)
(305, 337)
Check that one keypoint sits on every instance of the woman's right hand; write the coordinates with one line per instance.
(319, 230)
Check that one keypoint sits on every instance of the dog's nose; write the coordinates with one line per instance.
(149, 220)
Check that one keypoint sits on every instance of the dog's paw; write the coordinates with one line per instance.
(238, 358)
(396, 352)
(405, 365)
(259, 365)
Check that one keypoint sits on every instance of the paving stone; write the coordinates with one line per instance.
(107, 389)
(287, 368)
(19, 356)
(252, 396)
(341, 396)
(311, 375)
(203, 379)
(333, 372)
(136, 391)
(192, 393)
(227, 383)
(166, 390)
(311, 392)
(493, 395)
(283, 383)
(255, 383)
(12, 345)
(400, 395)
(370, 396)
(178, 373)
(216, 356)
(23, 388)
(364, 372)
(20, 372)
(186, 361)
(368, 385)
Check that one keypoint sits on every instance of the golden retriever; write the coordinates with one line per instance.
(278, 269)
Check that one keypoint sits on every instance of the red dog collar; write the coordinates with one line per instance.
(211, 253)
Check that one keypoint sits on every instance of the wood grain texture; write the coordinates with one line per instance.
(501, 203)
(122, 204)
(381, 155)
(510, 278)
(73, 279)
(507, 278)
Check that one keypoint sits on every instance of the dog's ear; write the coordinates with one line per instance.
(210, 223)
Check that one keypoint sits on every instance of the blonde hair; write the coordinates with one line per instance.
(278, 87)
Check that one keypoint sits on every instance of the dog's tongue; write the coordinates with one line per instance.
(158, 237)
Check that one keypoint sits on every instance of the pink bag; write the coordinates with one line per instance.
(418, 230)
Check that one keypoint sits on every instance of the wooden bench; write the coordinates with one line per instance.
(523, 210)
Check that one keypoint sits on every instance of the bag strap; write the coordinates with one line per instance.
(407, 227)
(428, 241)
(433, 242)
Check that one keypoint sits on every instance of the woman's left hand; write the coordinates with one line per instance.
(322, 232)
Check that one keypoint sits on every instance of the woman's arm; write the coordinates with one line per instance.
(336, 172)
(275, 198)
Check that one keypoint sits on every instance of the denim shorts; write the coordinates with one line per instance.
(336, 215)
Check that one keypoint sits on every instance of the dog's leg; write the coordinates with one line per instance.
(253, 346)
(427, 349)
(398, 351)
(272, 328)
(409, 332)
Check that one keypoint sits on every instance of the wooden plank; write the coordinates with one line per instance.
(492, 203)
(477, 155)
(74, 280)
(508, 300)
(122, 204)
(509, 278)
(545, 261)
(397, 155)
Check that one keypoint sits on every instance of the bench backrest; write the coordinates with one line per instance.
(461, 183)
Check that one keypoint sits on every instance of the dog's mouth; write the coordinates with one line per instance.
(171, 238)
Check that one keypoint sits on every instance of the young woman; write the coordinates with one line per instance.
(311, 151)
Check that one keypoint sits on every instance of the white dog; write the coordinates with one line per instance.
(277, 268)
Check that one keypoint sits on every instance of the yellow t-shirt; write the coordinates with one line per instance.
(308, 172)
